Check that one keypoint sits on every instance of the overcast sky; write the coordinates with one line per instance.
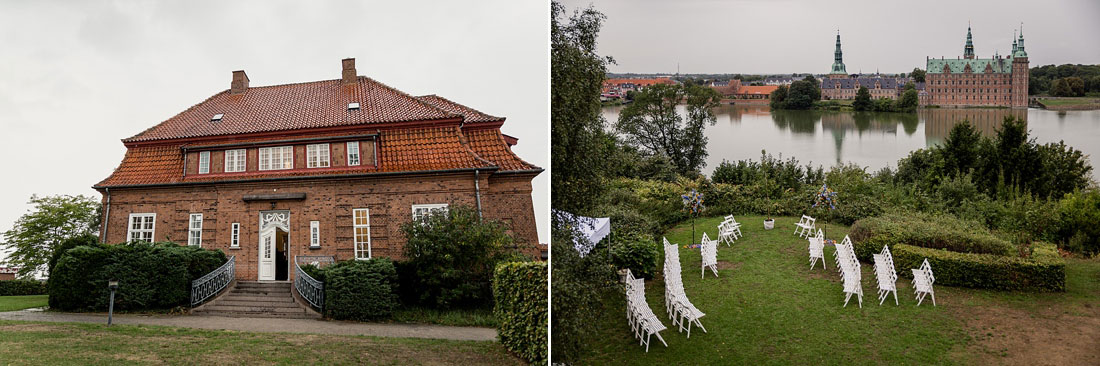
(785, 36)
(76, 77)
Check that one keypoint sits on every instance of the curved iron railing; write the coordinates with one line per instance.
(311, 289)
(214, 282)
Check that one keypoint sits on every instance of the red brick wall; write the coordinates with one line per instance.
(330, 201)
(7, 276)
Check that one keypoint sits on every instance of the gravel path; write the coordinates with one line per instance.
(268, 325)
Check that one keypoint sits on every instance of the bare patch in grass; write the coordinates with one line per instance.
(723, 265)
(1048, 336)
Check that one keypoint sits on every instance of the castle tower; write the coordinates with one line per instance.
(838, 70)
(1020, 73)
(968, 51)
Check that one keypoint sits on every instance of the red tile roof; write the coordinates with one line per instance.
(471, 115)
(295, 106)
(756, 89)
(489, 143)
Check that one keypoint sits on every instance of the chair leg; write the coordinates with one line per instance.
(896, 298)
(933, 298)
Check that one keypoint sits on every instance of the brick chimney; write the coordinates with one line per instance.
(240, 82)
(349, 75)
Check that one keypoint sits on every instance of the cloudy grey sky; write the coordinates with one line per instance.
(78, 76)
(785, 36)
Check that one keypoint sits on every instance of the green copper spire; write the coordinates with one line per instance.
(838, 58)
(1020, 52)
(968, 51)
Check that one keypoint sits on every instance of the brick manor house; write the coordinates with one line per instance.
(325, 169)
(969, 81)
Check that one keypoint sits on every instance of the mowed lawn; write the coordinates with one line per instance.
(39, 343)
(767, 307)
(13, 303)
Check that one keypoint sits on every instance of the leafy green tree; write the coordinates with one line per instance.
(917, 75)
(960, 149)
(801, 95)
(453, 254)
(577, 129)
(908, 101)
(863, 99)
(817, 87)
(1076, 86)
(37, 234)
(778, 98)
(653, 124)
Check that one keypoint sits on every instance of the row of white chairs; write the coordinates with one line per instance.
(805, 226)
(679, 308)
(642, 321)
(850, 270)
(817, 249)
(729, 230)
(922, 282)
(887, 277)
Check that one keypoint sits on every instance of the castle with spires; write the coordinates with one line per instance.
(838, 84)
(971, 81)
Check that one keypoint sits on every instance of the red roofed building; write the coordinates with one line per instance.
(324, 169)
(755, 91)
(8, 273)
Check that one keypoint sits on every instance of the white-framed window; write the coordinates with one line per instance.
(204, 162)
(235, 235)
(194, 230)
(361, 223)
(314, 234)
(353, 153)
(317, 156)
(275, 158)
(420, 211)
(141, 227)
(235, 160)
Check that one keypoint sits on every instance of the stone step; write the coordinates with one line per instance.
(219, 308)
(260, 314)
(263, 285)
(261, 291)
(243, 297)
(254, 303)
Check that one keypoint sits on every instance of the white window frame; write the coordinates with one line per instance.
(204, 162)
(283, 155)
(354, 145)
(426, 209)
(236, 160)
(314, 234)
(358, 249)
(318, 156)
(235, 235)
(194, 230)
(131, 232)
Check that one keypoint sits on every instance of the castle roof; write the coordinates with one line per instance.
(977, 65)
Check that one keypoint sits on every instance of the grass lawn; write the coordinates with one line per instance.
(37, 343)
(1070, 101)
(13, 303)
(767, 307)
(456, 317)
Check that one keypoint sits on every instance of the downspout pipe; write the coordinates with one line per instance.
(477, 191)
(107, 216)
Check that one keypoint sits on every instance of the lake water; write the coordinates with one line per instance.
(872, 140)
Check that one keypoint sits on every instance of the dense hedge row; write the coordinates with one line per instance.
(926, 231)
(519, 289)
(150, 275)
(359, 289)
(1044, 271)
(22, 288)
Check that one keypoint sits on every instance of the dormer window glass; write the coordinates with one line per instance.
(235, 160)
(217, 117)
(276, 158)
(353, 106)
(204, 162)
(317, 156)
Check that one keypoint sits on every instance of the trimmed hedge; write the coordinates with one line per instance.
(521, 308)
(638, 254)
(22, 288)
(926, 231)
(150, 275)
(1044, 271)
(360, 289)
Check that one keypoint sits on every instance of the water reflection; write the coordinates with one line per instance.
(871, 139)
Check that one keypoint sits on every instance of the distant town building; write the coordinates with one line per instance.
(734, 89)
(838, 71)
(8, 273)
(970, 81)
(879, 87)
(726, 88)
(780, 81)
(617, 88)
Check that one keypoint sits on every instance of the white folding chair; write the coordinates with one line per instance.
(817, 249)
(679, 308)
(709, 251)
(922, 282)
(887, 277)
(805, 226)
(727, 231)
(640, 316)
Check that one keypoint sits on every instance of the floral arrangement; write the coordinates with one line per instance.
(825, 197)
(693, 202)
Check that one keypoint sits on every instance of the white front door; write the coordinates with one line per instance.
(267, 255)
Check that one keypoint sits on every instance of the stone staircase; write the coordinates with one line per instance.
(250, 299)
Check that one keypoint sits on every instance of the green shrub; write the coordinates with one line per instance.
(1079, 229)
(519, 290)
(67, 244)
(640, 255)
(926, 231)
(313, 271)
(452, 256)
(1044, 271)
(360, 289)
(22, 288)
(150, 275)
